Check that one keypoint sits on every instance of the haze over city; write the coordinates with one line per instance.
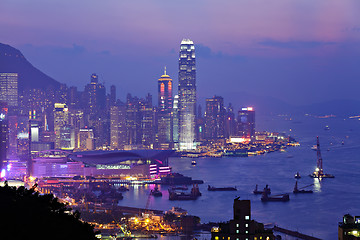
(300, 52)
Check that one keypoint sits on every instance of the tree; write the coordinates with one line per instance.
(26, 214)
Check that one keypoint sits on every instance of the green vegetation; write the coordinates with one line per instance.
(26, 214)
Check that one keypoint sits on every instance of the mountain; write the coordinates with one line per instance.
(13, 61)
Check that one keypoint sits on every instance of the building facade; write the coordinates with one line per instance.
(187, 95)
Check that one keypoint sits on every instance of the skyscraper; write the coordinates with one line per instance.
(246, 123)
(165, 104)
(214, 118)
(9, 89)
(187, 95)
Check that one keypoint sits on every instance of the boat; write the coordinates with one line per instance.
(275, 198)
(314, 147)
(193, 195)
(319, 172)
(266, 189)
(327, 127)
(297, 175)
(178, 179)
(155, 192)
(210, 188)
(297, 190)
(193, 162)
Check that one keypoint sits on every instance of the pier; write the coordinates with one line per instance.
(294, 233)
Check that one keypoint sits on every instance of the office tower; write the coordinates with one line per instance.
(9, 89)
(165, 107)
(112, 95)
(187, 95)
(200, 125)
(94, 104)
(214, 118)
(4, 133)
(73, 98)
(64, 133)
(175, 120)
(230, 124)
(133, 125)
(94, 97)
(117, 127)
(139, 121)
(146, 111)
(246, 123)
(85, 139)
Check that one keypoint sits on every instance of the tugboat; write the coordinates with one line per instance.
(193, 162)
(266, 189)
(296, 190)
(155, 192)
(276, 198)
(297, 175)
(210, 188)
(319, 172)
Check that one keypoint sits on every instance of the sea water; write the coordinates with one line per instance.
(314, 214)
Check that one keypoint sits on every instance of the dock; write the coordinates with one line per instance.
(294, 233)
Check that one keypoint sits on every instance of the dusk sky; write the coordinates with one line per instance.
(298, 51)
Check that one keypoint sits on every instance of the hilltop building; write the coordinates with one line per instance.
(241, 227)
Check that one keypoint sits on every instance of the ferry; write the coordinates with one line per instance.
(155, 192)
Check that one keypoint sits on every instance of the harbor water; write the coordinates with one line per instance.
(315, 214)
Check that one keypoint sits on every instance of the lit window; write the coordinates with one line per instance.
(267, 238)
(246, 232)
(246, 225)
(237, 231)
(216, 238)
(247, 217)
(237, 225)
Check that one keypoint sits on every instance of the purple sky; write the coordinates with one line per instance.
(299, 51)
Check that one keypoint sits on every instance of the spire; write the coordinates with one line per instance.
(165, 71)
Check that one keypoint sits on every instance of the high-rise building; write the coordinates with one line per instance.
(246, 123)
(175, 120)
(117, 127)
(4, 133)
(187, 95)
(230, 124)
(95, 97)
(64, 133)
(165, 107)
(214, 118)
(9, 89)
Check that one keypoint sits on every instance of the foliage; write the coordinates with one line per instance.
(26, 214)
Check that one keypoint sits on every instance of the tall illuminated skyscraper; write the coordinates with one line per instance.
(165, 103)
(187, 95)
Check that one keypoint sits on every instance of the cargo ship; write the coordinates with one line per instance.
(297, 190)
(210, 188)
(193, 195)
(266, 189)
(275, 198)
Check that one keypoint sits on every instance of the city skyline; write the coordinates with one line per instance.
(300, 54)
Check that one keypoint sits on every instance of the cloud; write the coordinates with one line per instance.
(294, 44)
(203, 51)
